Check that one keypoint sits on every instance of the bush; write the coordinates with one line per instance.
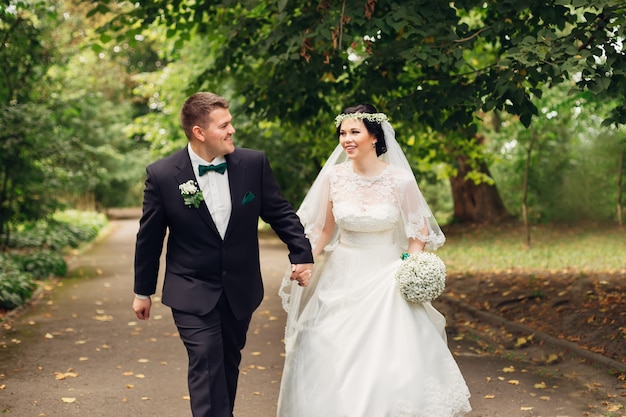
(42, 264)
(16, 286)
(66, 229)
(38, 249)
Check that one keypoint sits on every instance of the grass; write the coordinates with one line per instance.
(583, 248)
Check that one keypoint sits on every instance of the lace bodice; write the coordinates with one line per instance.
(367, 205)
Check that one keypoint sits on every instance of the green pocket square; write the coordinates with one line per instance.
(247, 198)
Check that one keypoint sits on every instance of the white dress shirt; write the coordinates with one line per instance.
(215, 190)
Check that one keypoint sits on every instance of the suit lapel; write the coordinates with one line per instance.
(186, 173)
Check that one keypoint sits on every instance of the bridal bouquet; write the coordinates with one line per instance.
(421, 277)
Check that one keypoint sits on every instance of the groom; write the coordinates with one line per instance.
(209, 197)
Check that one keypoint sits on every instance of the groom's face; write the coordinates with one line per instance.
(217, 135)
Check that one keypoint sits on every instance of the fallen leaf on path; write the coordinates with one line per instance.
(68, 399)
(513, 382)
(508, 369)
(541, 385)
(60, 376)
(521, 342)
(553, 358)
(526, 408)
(489, 397)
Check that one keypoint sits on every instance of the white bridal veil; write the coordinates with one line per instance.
(417, 222)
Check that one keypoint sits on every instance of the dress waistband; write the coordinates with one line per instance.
(385, 237)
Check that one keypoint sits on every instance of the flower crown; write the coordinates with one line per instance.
(372, 117)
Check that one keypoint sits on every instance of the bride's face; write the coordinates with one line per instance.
(356, 140)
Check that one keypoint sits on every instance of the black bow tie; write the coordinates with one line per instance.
(203, 169)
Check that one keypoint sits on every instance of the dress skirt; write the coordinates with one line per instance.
(362, 350)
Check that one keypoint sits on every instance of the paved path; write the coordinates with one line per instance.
(79, 351)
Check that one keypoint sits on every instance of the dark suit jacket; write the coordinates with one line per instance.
(199, 265)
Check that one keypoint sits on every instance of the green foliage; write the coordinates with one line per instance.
(37, 252)
(64, 230)
(442, 63)
(23, 30)
(573, 166)
(16, 286)
(27, 149)
(42, 264)
(294, 65)
(63, 111)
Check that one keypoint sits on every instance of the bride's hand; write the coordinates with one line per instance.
(302, 274)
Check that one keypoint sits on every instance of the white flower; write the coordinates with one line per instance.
(421, 277)
(192, 196)
(372, 117)
(188, 187)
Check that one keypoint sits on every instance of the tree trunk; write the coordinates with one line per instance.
(476, 203)
(620, 171)
(529, 152)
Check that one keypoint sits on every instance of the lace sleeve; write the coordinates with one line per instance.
(418, 220)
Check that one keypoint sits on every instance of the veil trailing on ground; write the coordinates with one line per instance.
(417, 222)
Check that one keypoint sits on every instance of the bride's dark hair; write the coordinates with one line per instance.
(374, 128)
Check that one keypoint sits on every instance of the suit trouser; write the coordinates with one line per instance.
(214, 343)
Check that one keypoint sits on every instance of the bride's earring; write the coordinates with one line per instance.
(373, 144)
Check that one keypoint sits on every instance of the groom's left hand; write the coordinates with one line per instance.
(301, 273)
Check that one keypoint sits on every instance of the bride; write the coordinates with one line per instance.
(354, 346)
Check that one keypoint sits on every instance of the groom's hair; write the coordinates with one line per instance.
(197, 108)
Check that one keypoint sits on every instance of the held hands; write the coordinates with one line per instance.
(301, 273)
(141, 306)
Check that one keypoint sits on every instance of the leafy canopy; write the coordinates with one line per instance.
(432, 62)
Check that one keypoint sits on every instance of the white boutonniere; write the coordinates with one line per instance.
(421, 277)
(192, 196)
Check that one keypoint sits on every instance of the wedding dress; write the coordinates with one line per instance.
(354, 346)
